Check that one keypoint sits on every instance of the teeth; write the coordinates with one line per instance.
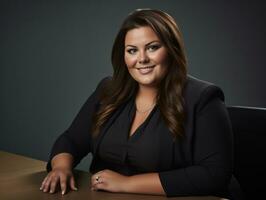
(146, 70)
(146, 67)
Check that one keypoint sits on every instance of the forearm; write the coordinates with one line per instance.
(62, 160)
(145, 183)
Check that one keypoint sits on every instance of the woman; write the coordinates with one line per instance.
(151, 128)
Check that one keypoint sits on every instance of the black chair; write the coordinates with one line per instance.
(249, 127)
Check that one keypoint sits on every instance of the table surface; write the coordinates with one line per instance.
(21, 177)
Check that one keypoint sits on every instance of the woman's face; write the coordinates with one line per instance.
(145, 56)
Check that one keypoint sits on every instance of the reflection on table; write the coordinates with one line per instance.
(21, 177)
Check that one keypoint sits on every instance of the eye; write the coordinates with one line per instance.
(132, 51)
(153, 47)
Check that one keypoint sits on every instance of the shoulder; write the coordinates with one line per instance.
(102, 85)
(97, 94)
(197, 93)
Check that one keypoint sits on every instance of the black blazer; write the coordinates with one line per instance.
(203, 157)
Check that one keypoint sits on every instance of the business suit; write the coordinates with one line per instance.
(199, 163)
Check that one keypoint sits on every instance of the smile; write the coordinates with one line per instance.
(146, 70)
(147, 67)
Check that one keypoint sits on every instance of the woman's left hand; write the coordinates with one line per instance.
(109, 180)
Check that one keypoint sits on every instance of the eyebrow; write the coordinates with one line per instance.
(129, 45)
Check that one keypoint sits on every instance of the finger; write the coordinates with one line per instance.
(72, 183)
(47, 184)
(97, 181)
(63, 184)
(93, 179)
(43, 182)
(54, 182)
(94, 182)
(99, 186)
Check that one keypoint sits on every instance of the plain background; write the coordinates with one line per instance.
(53, 54)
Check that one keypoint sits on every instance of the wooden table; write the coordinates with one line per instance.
(21, 177)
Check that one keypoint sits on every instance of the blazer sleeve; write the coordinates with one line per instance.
(211, 168)
(76, 139)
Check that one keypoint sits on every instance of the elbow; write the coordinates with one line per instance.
(196, 181)
(216, 183)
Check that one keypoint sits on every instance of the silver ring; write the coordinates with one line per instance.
(97, 178)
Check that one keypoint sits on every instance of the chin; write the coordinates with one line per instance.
(146, 82)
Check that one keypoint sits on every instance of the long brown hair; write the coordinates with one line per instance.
(122, 86)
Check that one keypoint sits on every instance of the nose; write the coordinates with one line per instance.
(143, 57)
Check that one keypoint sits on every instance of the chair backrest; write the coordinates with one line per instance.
(249, 127)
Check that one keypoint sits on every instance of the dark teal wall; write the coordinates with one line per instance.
(53, 53)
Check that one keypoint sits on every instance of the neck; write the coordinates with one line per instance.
(148, 93)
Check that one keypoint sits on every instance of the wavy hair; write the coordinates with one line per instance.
(122, 86)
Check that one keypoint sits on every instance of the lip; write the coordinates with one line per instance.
(146, 70)
(146, 67)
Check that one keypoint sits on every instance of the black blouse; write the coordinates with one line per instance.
(199, 163)
(137, 153)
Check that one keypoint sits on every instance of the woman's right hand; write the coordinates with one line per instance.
(58, 177)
